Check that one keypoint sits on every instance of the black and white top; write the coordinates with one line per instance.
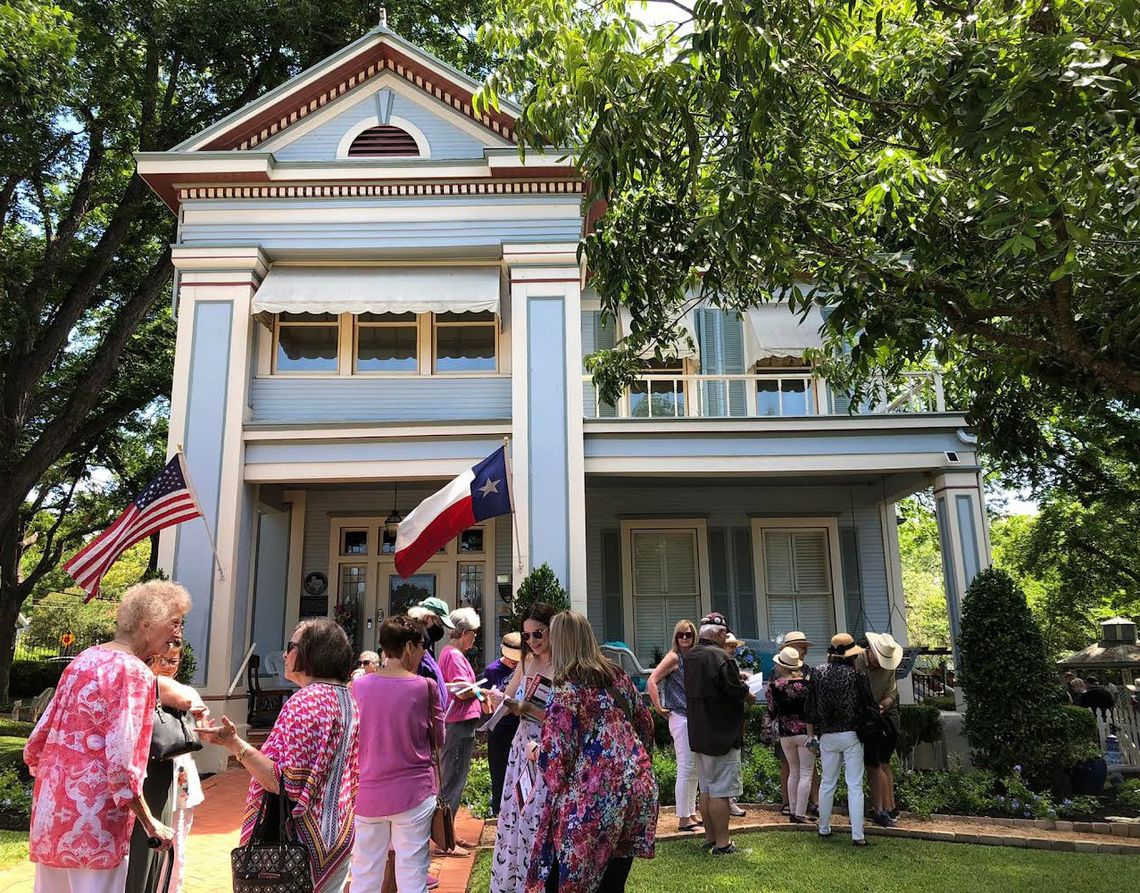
(838, 696)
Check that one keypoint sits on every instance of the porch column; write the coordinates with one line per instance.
(546, 397)
(964, 538)
(208, 401)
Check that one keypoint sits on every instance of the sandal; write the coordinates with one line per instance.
(785, 810)
(693, 827)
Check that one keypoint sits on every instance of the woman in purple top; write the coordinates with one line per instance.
(398, 790)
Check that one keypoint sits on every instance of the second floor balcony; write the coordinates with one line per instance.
(761, 395)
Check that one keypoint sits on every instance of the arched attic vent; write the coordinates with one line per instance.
(383, 141)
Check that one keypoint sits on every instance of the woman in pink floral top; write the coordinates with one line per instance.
(89, 751)
(311, 752)
(601, 810)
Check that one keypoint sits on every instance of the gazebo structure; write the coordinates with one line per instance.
(1115, 658)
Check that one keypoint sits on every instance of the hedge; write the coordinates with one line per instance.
(30, 677)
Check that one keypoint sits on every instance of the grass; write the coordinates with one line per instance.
(13, 848)
(794, 863)
(11, 751)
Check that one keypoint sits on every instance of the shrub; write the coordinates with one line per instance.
(920, 724)
(1128, 794)
(477, 792)
(187, 666)
(1011, 690)
(30, 677)
(1078, 807)
(14, 728)
(665, 771)
(954, 792)
(943, 702)
(760, 773)
(540, 585)
(15, 794)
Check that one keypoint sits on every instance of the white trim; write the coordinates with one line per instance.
(639, 466)
(578, 584)
(831, 525)
(422, 145)
(369, 432)
(297, 500)
(948, 422)
(477, 208)
(356, 472)
(704, 584)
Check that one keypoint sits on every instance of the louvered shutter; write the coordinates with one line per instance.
(665, 587)
(732, 332)
(613, 621)
(745, 584)
(720, 338)
(797, 583)
(604, 338)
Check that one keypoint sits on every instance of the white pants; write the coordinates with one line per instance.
(686, 789)
(801, 764)
(80, 880)
(845, 747)
(408, 833)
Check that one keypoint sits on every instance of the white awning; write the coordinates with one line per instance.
(682, 350)
(775, 331)
(378, 290)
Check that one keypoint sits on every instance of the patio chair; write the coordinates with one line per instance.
(31, 712)
(263, 703)
(622, 655)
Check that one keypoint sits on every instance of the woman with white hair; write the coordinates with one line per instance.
(463, 710)
(89, 751)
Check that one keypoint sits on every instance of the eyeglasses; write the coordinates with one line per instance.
(365, 663)
(685, 635)
(290, 647)
(537, 635)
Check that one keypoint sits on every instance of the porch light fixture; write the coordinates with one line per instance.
(392, 522)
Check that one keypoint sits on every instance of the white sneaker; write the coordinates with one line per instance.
(735, 810)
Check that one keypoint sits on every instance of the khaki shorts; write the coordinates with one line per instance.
(719, 776)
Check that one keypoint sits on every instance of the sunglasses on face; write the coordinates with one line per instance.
(536, 635)
(684, 635)
(365, 663)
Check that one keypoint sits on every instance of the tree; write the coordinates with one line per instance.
(956, 181)
(927, 622)
(85, 335)
(540, 585)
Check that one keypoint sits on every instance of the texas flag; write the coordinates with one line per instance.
(479, 493)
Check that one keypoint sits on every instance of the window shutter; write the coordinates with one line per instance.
(745, 583)
(810, 559)
(778, 570)
(604, 337)
(852, 585)
(665, 587)
(732, 328)
(719, 574)
(611, 585)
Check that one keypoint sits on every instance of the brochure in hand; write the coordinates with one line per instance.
(535, 697)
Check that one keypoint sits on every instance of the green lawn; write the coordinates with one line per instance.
(796, 863)
(13, 848)
(11, 751)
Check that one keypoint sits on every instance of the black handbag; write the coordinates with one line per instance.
(172, 736)
(273, 861)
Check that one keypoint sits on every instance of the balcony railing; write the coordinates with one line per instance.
(778, 395)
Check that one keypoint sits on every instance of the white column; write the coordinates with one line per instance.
(547, 453)
(208, 406)
(960, 508)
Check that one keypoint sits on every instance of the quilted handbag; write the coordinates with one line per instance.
(442, 821)
(273, 861)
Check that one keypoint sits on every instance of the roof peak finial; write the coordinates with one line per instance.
(383, 17)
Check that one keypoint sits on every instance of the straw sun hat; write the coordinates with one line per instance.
(789, 659)
(887, 650)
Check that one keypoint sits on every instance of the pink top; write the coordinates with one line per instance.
(396, 771)
(313, 746)
(88, 753)
(457, 668)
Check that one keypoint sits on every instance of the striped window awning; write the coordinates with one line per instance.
(427, 289)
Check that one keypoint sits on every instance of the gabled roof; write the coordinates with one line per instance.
(378, 51)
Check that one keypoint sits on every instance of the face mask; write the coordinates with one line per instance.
(435, 633)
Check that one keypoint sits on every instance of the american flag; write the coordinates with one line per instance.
(166, 501)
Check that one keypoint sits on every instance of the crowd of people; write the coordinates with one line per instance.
(365, 750)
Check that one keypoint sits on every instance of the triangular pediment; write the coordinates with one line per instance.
(378, 53)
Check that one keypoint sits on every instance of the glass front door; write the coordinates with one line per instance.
(403, 594)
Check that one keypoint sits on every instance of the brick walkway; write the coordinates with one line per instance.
(217, 823)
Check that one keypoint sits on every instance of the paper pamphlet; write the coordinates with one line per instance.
(526, 781)
(756, 684)
(493, 720)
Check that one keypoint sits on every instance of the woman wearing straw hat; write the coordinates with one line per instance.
(787, 696)
(879, 662)
(838, 698)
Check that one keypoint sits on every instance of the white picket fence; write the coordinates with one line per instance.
(1127, 725)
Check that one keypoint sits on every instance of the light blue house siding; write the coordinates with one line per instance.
(728, 508)
(459, 230)
(360, 399)
(446, 140)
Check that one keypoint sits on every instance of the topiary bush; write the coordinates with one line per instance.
(540, 585)
(1011, 689)
(919, 724)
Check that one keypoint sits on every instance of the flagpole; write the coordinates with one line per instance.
(511, 491)
(194, 495)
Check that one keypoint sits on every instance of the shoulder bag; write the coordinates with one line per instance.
(442, 821)
(171, 736)
(273, 861)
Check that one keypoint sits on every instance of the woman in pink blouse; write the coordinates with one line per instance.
(399, 715)
(463, 710)
(89, 751)
(310, 753)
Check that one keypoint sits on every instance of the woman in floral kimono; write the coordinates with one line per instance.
(594, 755)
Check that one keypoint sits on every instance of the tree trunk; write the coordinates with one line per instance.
(12, 595)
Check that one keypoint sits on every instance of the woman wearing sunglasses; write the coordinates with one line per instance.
(666, 689)
(524, 793)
